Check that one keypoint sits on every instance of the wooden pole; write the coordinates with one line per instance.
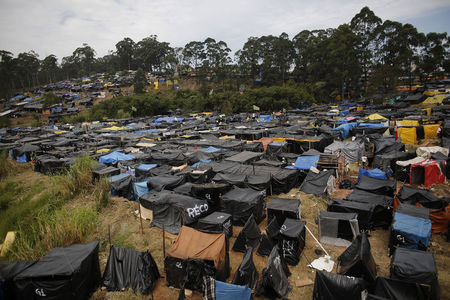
(140, 216)
(164, 239)
(109, 235)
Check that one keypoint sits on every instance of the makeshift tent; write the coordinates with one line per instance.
(357, 260)
(64, 273)
(395, 289)
(242, 203)
(114, 157)
(139, 189)
(427, 152)
(417, 267)
(375, 173)
(282, 208)
(143, 170)
(408, 135)
(173, 210)
(409, 232)
(338, 229)
(427, 172)
(269, 238)
(246, 274)
(345, 129)
(227, 291)
(193, 255)
(121, 185)
(9, 270)
(329, 286)
(292, 240)
(376, 186)
(127, 268)
(245, 157)
(248, 237)
(105, 172)
(431, 131)
(24, 153)
(216, 222)
(352, 151)
(317, 183)
(414, 211)
(165, 182)
(211, 192)
(403, 168)
(274, 281)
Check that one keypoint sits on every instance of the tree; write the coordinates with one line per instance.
(84, 57)
(140, 82)
(50, 99)
(125, 51)
(150, 53)
(435, 52)
(49, 66)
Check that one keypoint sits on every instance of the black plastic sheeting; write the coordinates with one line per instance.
(188, 273)
(415, 266)
(316, 184)
(211, 192)
(357, 260)
(127, 268)
(270, 238)
(329, 286)
(64, 273)
(249, 236)
(414, 211)
(274, 282)
(123, 187)
(282, 208)
(291, 240)
(246, 274)
(174, 209)
(165, 182)
(376, 186)
(105, 172)
(9, 270)
(216, 222)
(412, 195)
(242, 203)
(395, 289)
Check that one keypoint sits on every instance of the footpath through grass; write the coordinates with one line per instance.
(48, 211)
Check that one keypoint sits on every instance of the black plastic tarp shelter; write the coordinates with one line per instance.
(248, 237)
(376, 186)
(365, 213)
(357, 260)
(165, 182)
(127, 268)
(246, 274)
(64, 273)
(121, 185)
(245, 157)
(211, 192)
(329, 286)
(316, 184)
(274, 282)
(216, 222)
(242, 203)
(338, 228)
(173, 209)
(9, 270)
(282, 208)
(269, 238)
(292, 240)
(415, 266)
(395, 289)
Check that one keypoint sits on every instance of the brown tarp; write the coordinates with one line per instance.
(192, 243)
(265, 141)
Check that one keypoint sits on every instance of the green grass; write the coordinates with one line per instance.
(121, 241)
(38, 213)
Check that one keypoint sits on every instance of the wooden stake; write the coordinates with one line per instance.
(140, 217)
(164, 239)
(109, 235)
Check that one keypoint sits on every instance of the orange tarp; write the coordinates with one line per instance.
(192, 243)
(265, 141)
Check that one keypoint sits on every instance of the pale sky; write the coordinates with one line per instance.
(60, 26)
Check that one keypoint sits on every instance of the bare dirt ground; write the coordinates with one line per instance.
(124, 228)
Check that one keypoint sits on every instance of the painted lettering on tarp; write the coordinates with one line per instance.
(197, 210)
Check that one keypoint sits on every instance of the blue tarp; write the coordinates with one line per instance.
(146, 167)
(206, 161)
(371, 125)
(413, 228)
(145, 131)
(211, 150)
(345, 129)
(168, 119)
(344, 112)
(22, 158)
(140, 188)
(306, 162)
(265, 118)
(227, 291)
(375, 173)
(114, 157)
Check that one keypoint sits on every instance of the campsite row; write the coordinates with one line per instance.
(198, 176)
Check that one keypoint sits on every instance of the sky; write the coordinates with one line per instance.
(60, 26)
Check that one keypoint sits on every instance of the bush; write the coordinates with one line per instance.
(50, 99)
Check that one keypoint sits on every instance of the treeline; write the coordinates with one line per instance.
(365, 56)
